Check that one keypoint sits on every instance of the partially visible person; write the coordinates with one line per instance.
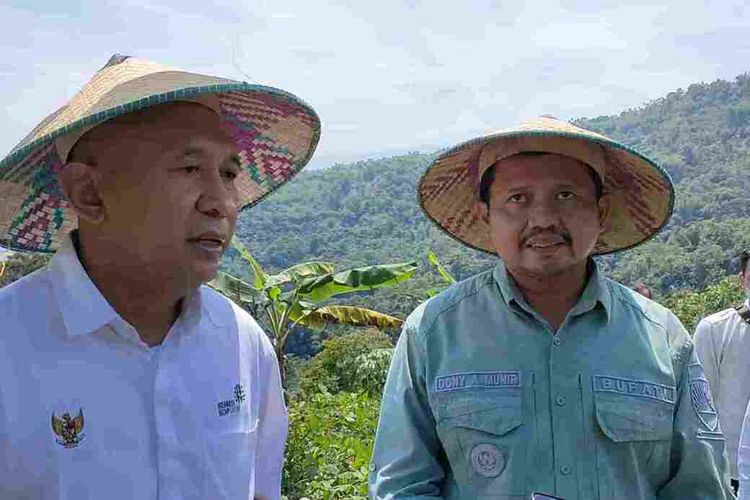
(121, 376)
(743, 458)
(722, 342)
(641, 288)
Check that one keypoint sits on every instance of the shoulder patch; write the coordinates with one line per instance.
(700, 397)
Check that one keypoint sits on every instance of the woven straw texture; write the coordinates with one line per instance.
(276, 134)
(641, 192)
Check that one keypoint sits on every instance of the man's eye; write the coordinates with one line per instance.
(230, 174)
(517, 198)
(190, 168)
(566, 195)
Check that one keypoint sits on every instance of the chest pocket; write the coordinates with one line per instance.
(636, 441)
(482, 435)
(623, 419)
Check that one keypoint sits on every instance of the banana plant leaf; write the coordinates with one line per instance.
(234, 288)
(440, 269)
(300, 272)
(360, 279)
(348, 315)
(259, 276)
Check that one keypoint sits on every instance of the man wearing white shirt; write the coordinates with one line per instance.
(743, 458)
(722, 342)
(121, 375)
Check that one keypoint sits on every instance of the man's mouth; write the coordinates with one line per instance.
(546, 241)
(210, 242)
(546, 244)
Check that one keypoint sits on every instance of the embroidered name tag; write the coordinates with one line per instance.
(638, 388)
(457, 381)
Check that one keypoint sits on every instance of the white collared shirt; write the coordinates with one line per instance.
(722, 342)
(87, 410)
(743, 458)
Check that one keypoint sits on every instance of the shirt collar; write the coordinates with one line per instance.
(595, 292)
(82, 306)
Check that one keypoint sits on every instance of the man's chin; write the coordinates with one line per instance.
(203, 272)
(548, 265)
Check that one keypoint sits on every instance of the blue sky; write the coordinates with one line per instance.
(385, 76)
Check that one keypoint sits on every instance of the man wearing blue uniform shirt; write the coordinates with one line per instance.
(540, 375)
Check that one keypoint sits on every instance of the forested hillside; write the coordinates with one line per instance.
(367, 212)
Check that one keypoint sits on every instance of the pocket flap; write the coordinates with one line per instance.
(491, 413)
(624, 418)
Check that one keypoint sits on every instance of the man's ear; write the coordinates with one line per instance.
(481, 211)
(80, 183)
(604, 205)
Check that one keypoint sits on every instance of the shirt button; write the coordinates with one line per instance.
(372, 467)
(564, 470)
(557, 341)
(560, 400)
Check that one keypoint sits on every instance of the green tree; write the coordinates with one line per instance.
(301, 295)
(353, 362)
(691, 306)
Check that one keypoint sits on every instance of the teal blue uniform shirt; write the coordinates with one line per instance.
(485, 400)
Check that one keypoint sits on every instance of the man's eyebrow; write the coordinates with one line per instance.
(197, 151)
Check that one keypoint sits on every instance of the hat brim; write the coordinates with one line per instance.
(276, 134)
(641, 192)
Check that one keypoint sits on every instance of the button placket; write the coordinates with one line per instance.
(562, 446)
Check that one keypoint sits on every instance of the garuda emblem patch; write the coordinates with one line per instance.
(68, 429)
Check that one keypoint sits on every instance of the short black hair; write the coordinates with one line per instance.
(744, 257)
(489, 177)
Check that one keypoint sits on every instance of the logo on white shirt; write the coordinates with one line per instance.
(68, 429)
(231, 406)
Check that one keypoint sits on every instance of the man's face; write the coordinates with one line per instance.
(543, 214)
(168, 189)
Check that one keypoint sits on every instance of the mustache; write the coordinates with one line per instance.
(559, 232)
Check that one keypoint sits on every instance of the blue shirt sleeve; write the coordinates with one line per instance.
(407, 457)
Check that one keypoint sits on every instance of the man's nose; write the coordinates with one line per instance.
(218, 198)
(544, 213)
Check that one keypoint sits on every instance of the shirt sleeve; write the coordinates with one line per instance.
(705, 348)
(273, 424)
(743, 458)
(698, 465)
(406, 459)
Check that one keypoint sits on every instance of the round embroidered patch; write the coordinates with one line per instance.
(487, 460)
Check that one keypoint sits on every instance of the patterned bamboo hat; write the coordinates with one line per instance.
(641, 192)
(276, 134)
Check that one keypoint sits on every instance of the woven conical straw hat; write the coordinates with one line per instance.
(276, 134)
(641, 193)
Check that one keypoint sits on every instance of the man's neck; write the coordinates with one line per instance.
(552, 296)
(149, 304)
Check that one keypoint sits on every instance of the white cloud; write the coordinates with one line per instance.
(388, 74)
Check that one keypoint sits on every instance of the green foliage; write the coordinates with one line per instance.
(372, 370)
(329, 446)
(295, 296)
(334, 415)
(352, 362)
(19, 265)
(691, 307)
